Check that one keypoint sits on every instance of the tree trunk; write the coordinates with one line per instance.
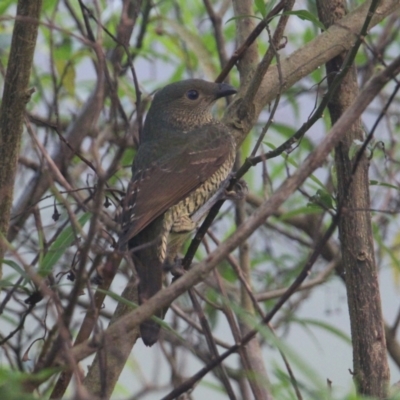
(15, 96)
(370, 367)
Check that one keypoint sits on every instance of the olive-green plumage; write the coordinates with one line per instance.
(183, 158)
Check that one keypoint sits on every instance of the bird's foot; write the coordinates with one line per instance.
(238, 192)
(174, 267)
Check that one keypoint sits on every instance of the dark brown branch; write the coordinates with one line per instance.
(370, 367)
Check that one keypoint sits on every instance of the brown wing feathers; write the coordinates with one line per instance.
(155, 189)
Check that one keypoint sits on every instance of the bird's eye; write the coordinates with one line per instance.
(192, 94)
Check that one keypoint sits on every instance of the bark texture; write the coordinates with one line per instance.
(15, 96)
(370, 367)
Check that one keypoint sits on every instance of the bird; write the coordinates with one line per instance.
(184, 156)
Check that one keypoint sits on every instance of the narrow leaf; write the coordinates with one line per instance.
(58, 248)
(307, 16)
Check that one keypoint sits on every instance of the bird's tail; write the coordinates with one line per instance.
(150, 283)
(150, 332)
(149, 266)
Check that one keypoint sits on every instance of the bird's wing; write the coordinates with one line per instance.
(185, 165)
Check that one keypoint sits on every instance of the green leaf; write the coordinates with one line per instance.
(16, 267)
(60, 66)
(270, 6)
(4, 4)
(19, 270)
(243, 16)
(133, 305)
(63, 50)
(58, 248)
(262, 9)
(324, 325)
(299, 211)
(307, 16)
(12, 383)
(322, 199)
(213, 386)
(68, 81)
(388, 185)
(9, 281)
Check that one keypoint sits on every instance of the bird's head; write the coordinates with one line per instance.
(184, 105)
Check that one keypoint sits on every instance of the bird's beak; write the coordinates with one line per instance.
(224, 90)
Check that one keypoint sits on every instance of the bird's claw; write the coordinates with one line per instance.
(175, 267)
(238, 192)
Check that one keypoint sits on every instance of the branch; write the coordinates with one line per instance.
(338, 38)
(15, 96)
(370, 367)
